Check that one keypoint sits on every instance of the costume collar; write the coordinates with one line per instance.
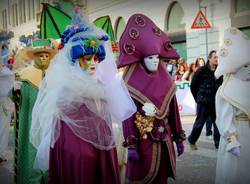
(157, 88)
(236, 92)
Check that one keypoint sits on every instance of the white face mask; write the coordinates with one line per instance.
(152, 62)
(90, 64)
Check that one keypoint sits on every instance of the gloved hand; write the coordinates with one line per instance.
(17, 85)
(133, 154)
(180, 148)
(149, 109)
(235, 151)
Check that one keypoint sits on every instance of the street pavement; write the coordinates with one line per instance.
(193, 167)
(196, 166)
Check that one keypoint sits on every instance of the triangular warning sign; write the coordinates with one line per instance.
(200, 21)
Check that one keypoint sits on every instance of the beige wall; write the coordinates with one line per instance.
(218, 13)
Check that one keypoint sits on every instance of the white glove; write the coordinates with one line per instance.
(17, 85)
(235, 151)
(149, 109)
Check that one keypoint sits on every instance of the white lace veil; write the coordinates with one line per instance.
(89, 105)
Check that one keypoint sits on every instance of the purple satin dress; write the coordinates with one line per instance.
(75, 161)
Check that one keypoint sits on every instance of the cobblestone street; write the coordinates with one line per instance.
(194, 167)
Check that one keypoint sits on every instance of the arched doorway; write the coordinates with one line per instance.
(175, 26)
(119, 27)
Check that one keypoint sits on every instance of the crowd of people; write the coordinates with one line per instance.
(181, 71)
(7, 56)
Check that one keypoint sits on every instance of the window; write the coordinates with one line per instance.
(4, 19)
(242, 6)
(31, 9)
(119, 28)
(240, 13)
(175, 26)
(14, 15)
(22, 11)
(38, 8)
(175, 18)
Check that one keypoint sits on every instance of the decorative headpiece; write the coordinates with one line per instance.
(142, 38)
(234, 53)
(84, 38)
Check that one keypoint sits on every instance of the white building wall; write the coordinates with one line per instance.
(3, 6)
(26, 28)
(218, 14)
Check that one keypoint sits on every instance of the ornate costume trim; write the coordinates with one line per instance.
(144, 124)
(231, 95)
(232, 138)
(171, 152)
(140, 21)
(136, 94)
(242, 117)
(155, 164)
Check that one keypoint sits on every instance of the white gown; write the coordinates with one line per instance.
(6, 108)
(232, 120)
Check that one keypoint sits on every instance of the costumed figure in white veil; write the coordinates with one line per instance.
(233, 109)
(79, 100)
(6, 108)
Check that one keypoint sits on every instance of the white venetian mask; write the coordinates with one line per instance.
(89, 63)
(152, 62)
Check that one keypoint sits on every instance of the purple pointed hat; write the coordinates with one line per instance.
(142, 38)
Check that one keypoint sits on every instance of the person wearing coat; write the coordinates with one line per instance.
(203, 87)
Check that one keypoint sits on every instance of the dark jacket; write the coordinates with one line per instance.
(204, 85)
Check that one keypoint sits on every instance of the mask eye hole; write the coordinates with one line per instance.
(88, 57)
(96, 59)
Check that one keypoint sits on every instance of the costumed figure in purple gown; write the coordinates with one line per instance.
(79, 100)
(149, 134)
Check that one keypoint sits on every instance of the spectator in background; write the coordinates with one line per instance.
(204, 86)
(4, 54)
(172, 67)
(200, 62)
(188, 75)
(180, 72)
(182, 61)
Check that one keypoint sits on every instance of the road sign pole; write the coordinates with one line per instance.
(206, 33)
(201, 22)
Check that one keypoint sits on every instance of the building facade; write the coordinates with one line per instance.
(173, 16)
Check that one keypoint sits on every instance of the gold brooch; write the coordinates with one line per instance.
(233, 31)
(228, 42)
(144, 124)
(223, 52)
(232, 138)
